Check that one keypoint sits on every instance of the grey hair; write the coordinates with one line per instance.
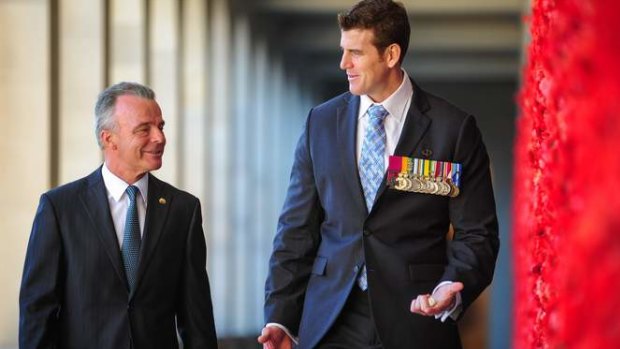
(106, 103)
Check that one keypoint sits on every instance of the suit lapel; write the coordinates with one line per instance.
(157, 209)
(347, 133)
(95, 201)
(414, 129)
(416, 125)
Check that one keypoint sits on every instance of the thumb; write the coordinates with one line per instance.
(456, 287)
(446, 294)
(265, 335)
(449, 290)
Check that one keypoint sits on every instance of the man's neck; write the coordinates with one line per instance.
(130, 177)
(393, 82)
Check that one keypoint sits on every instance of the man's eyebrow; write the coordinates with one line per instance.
(141, 125)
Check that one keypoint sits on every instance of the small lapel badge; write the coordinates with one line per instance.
(162, 201)
(427, 153)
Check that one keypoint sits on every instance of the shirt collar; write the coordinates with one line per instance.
(116, 187)
(395, 104)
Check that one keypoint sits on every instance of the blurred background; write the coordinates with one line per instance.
(235, 80)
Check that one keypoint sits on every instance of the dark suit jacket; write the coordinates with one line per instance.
(325, 233)
(74, 293)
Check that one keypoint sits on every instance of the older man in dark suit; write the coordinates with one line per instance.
(362, 257)
(117, 259)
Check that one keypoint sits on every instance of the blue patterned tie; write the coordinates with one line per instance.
(372, 165)
(131, 239)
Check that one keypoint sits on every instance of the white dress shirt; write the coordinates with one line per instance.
(119, 200)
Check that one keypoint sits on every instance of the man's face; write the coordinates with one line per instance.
(136, 145)
(367, 70)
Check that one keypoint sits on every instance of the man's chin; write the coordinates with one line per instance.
(154, 163)
(156, 166)
(354, 90)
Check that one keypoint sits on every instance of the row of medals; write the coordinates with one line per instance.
(426, 185)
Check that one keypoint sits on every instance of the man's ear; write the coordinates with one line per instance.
(392, 55)
(107, 139)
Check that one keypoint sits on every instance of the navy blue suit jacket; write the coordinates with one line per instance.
(74, 293)
(325, 233)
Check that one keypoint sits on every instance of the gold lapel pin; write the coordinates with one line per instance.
(427, 153)
(162, 201)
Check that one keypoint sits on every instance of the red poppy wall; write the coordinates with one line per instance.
(567, 187)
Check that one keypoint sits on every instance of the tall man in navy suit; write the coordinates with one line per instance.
(116, 260)
(358, 262)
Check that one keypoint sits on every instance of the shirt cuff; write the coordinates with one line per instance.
(455, 310)
(283, 328)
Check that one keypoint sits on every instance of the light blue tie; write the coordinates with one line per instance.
(131, 239)
(372, 165)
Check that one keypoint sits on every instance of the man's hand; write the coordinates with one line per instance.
(274, 338)
(443, 299)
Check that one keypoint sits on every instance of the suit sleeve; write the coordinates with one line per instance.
(40, 293)
(296, 242)
(195, 310)
(474, 249)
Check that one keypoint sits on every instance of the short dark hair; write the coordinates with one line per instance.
(388, 20)
(106, 102)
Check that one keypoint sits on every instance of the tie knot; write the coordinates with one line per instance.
(131, 191)
(377, 113)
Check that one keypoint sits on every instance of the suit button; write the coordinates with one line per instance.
(367, 232)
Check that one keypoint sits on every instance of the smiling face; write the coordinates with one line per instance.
(370, 72)
(135, 145)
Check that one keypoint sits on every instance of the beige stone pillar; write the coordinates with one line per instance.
(25, 141)
(194, 91)
(218, 220)
(242, 192)
(264, 226)
(127, 41)
(81, 78)
(163, 58)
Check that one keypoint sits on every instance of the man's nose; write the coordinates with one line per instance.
(345, 62)
(158, 136)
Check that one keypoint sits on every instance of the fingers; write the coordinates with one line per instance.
(274, 338)
(432, 305)
(424, 304)
(415, 306)
(428, 305)
(443, 298)
(267, 336)
(431, 301)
